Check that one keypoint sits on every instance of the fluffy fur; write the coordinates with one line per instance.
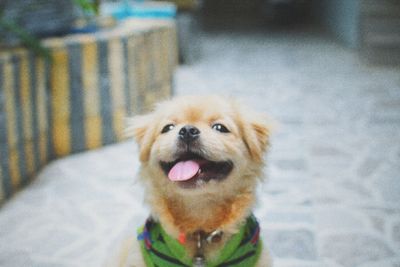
(216, 204)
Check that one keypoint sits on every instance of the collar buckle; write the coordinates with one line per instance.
(201, 238)
(214, 237)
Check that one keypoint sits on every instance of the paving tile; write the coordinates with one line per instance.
(353, 249)
(396, 232)
(388, 183)
(297, 244)
(332, 218)
(368, 166)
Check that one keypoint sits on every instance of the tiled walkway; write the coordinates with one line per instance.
(333, 196)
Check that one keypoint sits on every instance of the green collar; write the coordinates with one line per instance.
(160, 249)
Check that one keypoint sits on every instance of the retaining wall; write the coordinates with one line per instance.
(80, 99)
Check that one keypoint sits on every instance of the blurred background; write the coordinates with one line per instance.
(327, 73)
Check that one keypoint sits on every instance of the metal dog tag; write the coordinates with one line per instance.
(199, 261)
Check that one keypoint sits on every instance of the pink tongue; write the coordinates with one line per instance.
(183, 170)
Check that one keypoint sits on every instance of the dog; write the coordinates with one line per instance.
(201, 160)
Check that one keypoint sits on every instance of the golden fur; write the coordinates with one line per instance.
(222, 204)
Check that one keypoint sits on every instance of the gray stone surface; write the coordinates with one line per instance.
(292, 244)
(389, 263)
(75, 213)
(388, 184)
(333, 164)
(332, 194)
(396, 232)
(352, 249)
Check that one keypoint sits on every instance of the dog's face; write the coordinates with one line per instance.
(200, 145)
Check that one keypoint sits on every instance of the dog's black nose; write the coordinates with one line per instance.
(189, 133)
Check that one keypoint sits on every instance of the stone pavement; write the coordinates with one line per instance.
(333, 194)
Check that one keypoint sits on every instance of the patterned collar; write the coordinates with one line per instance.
(160, 249)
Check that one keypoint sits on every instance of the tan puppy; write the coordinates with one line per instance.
(201, 159)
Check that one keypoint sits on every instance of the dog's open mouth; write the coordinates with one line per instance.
(191, 170)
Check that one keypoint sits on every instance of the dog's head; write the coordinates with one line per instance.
(200, 144)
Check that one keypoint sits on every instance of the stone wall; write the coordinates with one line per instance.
(80, 99)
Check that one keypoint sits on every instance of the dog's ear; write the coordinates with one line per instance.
(256, 134)
(141, 128)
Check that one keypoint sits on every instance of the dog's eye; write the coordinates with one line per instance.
(220, 128)
(167, 128)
